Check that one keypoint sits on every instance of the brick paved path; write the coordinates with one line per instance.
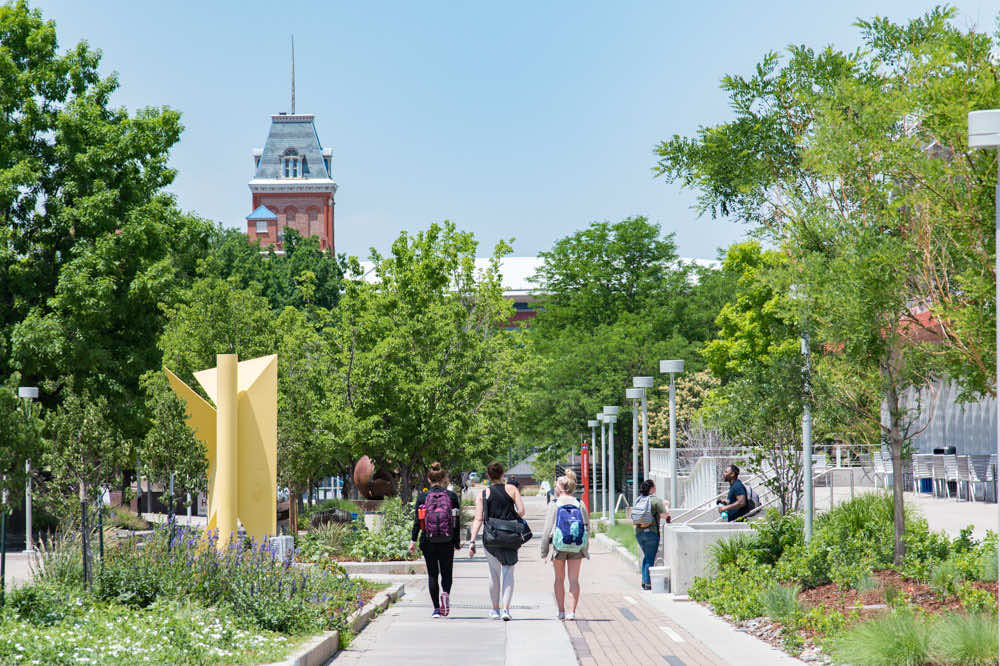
(621, 629)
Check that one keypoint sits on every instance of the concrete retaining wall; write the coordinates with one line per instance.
(686, 550)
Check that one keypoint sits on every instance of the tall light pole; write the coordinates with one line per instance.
(673, 367)
(593, 423)
(644, 383)
(604, 465)
(27, 393)
(635, 394)
(808, 492)
(984, 132)
(610, 417)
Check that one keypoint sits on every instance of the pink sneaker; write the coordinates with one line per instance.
(445, 607)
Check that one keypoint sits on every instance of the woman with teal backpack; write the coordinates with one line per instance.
(566, 536)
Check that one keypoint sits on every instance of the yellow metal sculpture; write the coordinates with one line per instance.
(241, 438)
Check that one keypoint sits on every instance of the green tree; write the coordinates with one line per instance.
(422, 354)
(20, 441)
(73, 169)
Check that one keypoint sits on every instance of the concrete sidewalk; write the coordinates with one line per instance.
(406, 634)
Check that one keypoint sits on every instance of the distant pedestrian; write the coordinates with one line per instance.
(566, 536)
(737, 505)
(647, 513)
(435, 519)
(499, 510)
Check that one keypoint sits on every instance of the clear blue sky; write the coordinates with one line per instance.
(525, 120)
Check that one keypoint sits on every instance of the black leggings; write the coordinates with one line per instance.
(439, 558)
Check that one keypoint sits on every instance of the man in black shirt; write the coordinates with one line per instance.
(736, 506)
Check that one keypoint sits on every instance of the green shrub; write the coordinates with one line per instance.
(781, 602)
(975, 600)
(262, 591)
(391, 541)
(43, 604)
(736, 589)
(892, 594)
(897, 638)
(61, 560)
(776, 534)
(965, 639)
(986, 569)
(728, 551)
(124, 519)
(945, 579)
(336, 503)
(326, 542)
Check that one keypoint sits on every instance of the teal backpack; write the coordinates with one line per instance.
(570, 532)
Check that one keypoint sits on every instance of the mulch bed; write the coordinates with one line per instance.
(918, 594)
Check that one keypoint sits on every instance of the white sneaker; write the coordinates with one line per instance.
(560, 615)
(570, 616)
(505, 615)
(494, 615)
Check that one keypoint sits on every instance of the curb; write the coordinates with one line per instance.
(619, 550)
(397, 568)
(319, 649)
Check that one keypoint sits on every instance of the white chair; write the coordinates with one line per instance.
(940, 476)
(967, 476)
(951, 472)
(921, 469)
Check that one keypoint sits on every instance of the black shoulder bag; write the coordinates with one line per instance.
(506, 534)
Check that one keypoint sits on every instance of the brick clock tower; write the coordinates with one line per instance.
(292, 184)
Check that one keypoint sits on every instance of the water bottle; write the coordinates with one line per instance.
(725, 516)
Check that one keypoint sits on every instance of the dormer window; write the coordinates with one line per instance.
(291, 164)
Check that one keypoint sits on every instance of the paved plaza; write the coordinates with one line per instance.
(617, 622)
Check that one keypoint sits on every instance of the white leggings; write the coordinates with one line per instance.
(501, 576)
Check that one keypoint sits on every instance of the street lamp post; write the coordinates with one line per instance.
(604, 464)
(593, 423)
(644, 383)
(808, 492)
(635, 394)
(673, 367)
(610, 417)
(984, 132)
(27, 393)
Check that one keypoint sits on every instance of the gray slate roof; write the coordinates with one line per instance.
(297, 133)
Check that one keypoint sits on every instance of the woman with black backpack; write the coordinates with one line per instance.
(435, 519)
(500, 510)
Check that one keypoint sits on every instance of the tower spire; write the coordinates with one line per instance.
(293, 75)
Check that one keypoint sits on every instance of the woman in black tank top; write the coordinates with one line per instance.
(501, 501)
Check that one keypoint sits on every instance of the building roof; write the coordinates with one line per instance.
(524, 467)
(262, 213)
(292, 134)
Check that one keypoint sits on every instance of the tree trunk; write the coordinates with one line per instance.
(312, 499)
(293, 511)
(896, 451)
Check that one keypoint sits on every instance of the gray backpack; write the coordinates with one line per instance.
(642, 512)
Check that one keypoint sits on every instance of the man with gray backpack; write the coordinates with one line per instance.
(647, 513)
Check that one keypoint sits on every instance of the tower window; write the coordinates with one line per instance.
(262, 226)
(291, 167)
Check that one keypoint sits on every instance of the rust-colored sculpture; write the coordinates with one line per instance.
(372, 484)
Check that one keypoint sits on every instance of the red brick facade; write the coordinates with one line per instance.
(309, 213)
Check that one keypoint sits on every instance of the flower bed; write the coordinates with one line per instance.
(354, 542)
(174, 599)
(853, 596)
